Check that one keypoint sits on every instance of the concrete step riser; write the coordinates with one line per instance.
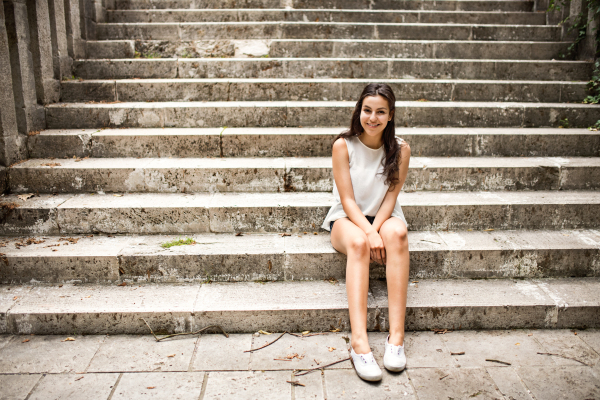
(280, 114)
(223, 213)
(338, 68)
(227, 258)
(428, 17)
(285, 90)
(290, 175)
(440, 50)
(312, 30)
(284, 306)
(328, 4)
(278, 142)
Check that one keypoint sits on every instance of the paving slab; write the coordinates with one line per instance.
(431, 383)
(35, 216)
(291, 353)
(48, 354)
(509, 383)
(142, 353)
(566, 344)
(17, 387)
(560, 382)
(219, 353)
(495, 304)
(63, 260)
(577, 308)
(211, 258)
(76, 387)
(313, 387)
(276, 306)
(9, 297)
(591, 337)
(345, 384)
(423, 349)
(84, 309)
(253, 384)
(514, 347)
(148, 385)
(4, 339)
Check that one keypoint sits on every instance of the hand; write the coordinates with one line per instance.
(377, 247)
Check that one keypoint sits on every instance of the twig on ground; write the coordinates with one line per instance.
(497, 361)
(308, 371)
(280, 336)
(268, 344)
(462, 353)
(561, 356)
(295, 383)
(444, 376)
(185, 333)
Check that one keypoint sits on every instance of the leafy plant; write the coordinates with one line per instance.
(564, 123)
(178, 242)
(595, 127)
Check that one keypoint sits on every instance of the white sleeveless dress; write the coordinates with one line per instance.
(368, 183)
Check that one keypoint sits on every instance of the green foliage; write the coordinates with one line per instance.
(178, 242)
(595, 127)
(580, 25)
(564, 123)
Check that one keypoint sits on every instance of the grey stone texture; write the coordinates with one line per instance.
(77, 387)
(178, 385)
(75, 44)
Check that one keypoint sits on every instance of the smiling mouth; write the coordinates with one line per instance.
(372, 126)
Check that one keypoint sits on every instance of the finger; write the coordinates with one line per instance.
(383, 255)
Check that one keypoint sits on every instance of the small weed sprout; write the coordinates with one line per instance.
(178, 242)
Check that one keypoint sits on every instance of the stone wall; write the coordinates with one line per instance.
(39, 39)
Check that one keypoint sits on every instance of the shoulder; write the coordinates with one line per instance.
(340, 147)
(404, 146)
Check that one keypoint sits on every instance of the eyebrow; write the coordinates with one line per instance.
(380, 108)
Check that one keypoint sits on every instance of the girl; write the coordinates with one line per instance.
(367, 224)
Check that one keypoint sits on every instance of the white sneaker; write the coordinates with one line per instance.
(366, 367)
(394, 358)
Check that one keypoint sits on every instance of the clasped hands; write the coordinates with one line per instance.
(377, 247)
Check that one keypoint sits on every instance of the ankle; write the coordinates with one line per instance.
(396, 338)
(360, 345)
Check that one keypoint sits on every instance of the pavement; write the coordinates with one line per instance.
(502, 364)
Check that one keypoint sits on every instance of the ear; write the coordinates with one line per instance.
(391, 116)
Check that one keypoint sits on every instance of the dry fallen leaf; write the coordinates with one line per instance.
(239, 234)
(172, 355)
(80, 378)
(286, 234)
(25, 196)
(517, 344)
(118, 195)
(334, 331)
(305, 332)
(69, 339)
(122, 284)
(270, 264)
(25, 341)
(488, 230)
(150, 387)
(331, 349)
(16, 297)
(265, 332)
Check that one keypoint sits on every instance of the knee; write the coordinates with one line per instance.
(398, 235)
(359, 246)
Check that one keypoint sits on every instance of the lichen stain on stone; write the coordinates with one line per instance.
(117, 117)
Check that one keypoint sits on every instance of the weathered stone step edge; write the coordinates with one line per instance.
(312, 113)
(292, 174)
(296, 306)
(307, 142)
(325, 30)
(176, 213)
(299, 257)
(349, 68)
(442, 49)
(450, 5)
(332, 15)
(242, 89)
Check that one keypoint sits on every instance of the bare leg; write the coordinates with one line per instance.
(349, 239)
(395, 239)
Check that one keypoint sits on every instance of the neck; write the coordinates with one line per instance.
(373, 142)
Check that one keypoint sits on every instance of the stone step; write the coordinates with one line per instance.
(177, 213)
(314, 174)
(442, 49)
(231, 89)
(443, 5)
(307, 142)
(296, 306)
(299, 257)
(110, 49)
(313, 113)
(332, 15)
(325, 30)
(338, 68)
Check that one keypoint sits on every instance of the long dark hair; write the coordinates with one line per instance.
(392, 157)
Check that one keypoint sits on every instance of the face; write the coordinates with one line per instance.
(375, 115)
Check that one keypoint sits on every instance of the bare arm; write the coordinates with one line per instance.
(389, 201)
(343, 181)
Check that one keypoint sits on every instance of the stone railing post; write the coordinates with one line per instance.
(589, 47)
(30, 115)
(12, 143)
(47, 82)
(63, 64)
(75, 44)
(92, 12)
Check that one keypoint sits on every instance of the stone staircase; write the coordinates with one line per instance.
(503, 220)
